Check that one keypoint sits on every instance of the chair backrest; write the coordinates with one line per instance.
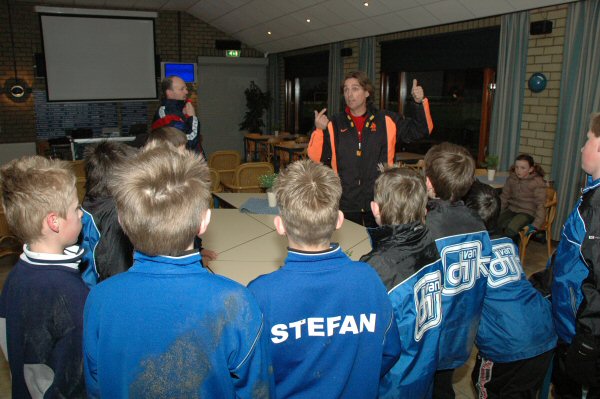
(551, 204)
(224, 160)
(80, 185)
(215, 181)
(480, 172)
(78, 168)
(246, 175)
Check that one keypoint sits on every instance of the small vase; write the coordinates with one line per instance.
(491, 174)
(271, 199)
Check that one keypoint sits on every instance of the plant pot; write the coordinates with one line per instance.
(491, 174)
(271, 199)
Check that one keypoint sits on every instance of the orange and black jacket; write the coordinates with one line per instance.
(338, 147)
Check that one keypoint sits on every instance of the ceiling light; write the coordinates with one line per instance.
(269, 32)
(366, 4)
(308, 20)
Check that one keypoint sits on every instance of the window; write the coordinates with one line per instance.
(305, 90)
(455, 71)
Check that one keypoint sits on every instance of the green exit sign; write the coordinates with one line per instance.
(232, 53)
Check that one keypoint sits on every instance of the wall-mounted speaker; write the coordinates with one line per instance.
(228, 45)
(39, 65)
(540, 27)
(346, 52)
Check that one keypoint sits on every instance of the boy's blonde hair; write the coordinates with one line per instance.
(161, 196)
(308, 195)
(401, 196)
(32, 187)
(166, 135)
(595, 123)
(450, 169)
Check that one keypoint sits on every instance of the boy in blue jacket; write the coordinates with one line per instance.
(576, 284)
(465, 249)
(168, 327)
(330, 322)
(516, 336)
(407, 260)
(41, 307)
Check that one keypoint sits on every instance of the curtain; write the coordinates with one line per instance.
(505, 129)
(579, 97)
(336, 71)
(274, 85)
(366, 56)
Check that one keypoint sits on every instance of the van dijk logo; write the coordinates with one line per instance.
(428, 303)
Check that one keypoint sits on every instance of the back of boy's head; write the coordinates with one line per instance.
(595, 124)
(401, 196)
(100, 161)
(450, 169)
(166, 135)
(32, 187)
(308, 195)
(161, 196)
(484, 199)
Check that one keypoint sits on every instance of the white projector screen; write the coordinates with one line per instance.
(96, 58)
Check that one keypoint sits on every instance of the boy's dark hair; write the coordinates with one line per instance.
(484, 199)
(450, 168)
(595, 124)
(401, 196)
(100, 160)
(529, 159)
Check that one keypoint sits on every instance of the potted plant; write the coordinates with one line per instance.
(267, 181)
(257, 102)
(491, 163)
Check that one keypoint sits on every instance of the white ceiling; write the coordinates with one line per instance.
(330, 20)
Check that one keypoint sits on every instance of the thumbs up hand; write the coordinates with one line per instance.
(417, 92)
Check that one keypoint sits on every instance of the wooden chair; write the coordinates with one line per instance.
(215, 181)
(245, 179)
(80, 185)
(271, 148)
(225, 162)
(550, 205)
(78, 168)
(418, 167)
(9, 244)
(480, 172)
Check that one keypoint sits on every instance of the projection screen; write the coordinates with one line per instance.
(98, 58)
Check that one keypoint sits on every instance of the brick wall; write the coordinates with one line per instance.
(18, 120)
(540, 110)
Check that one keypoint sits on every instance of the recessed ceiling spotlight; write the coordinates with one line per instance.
(366, 4)
(269, 32)
(308, 20)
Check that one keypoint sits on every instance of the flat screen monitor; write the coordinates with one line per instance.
(185, 70)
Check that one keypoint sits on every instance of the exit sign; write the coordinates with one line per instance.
(232, 53)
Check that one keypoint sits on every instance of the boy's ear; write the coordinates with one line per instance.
(52, 222)
(340, 220)
(430, 189)
(278, 222)
(375, 209)
(204, 222)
